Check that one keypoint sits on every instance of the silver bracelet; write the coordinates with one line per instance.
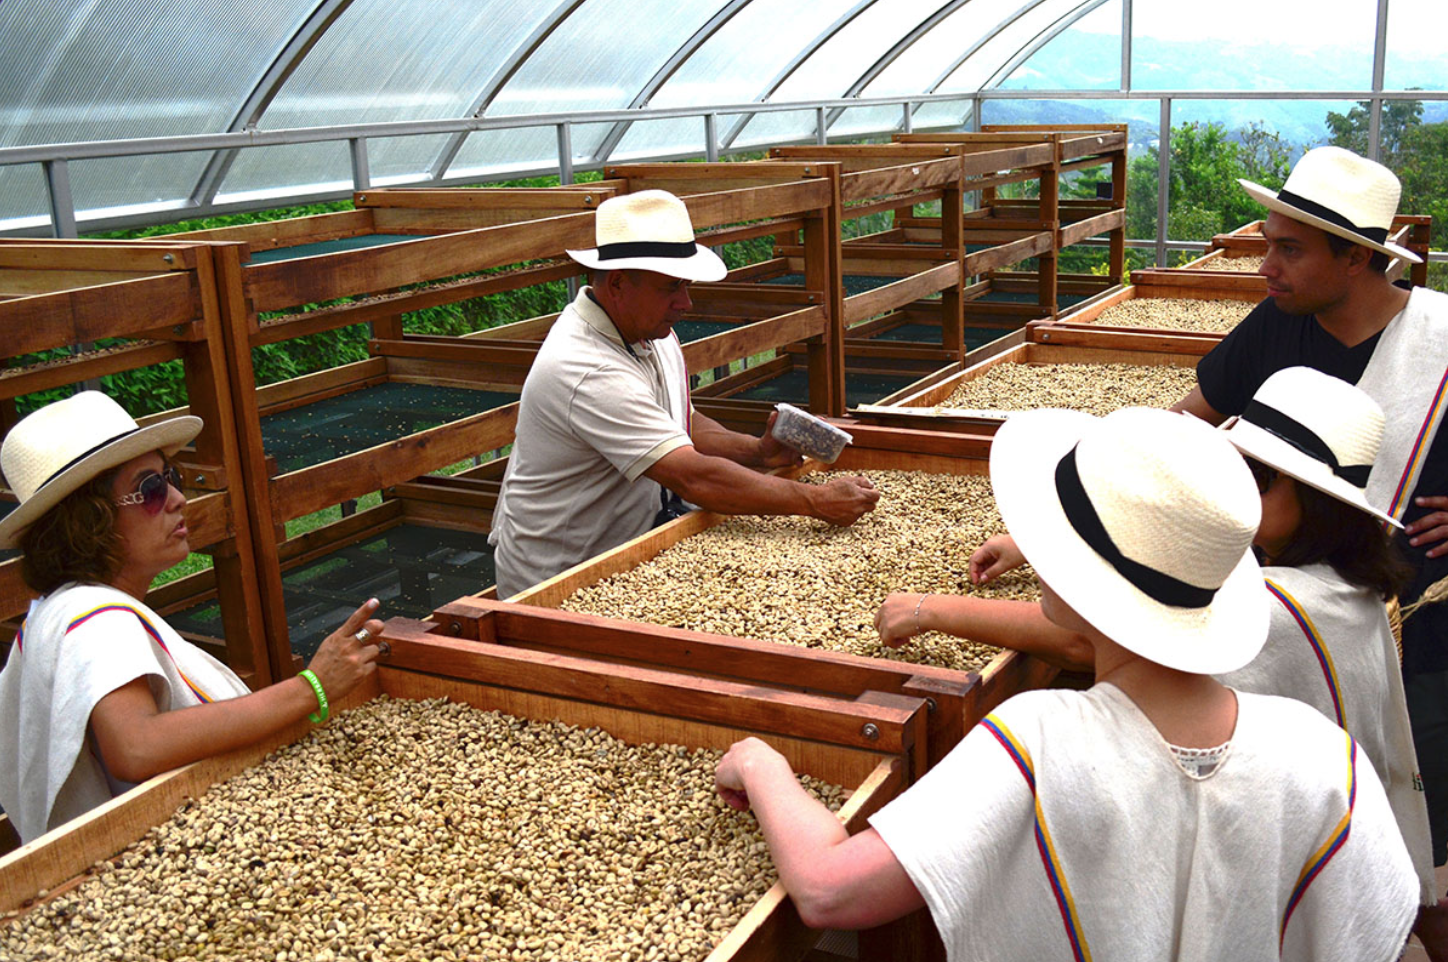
(917, 613)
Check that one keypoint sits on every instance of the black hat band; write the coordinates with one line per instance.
(613, 252)
(1087, 523)
(82, 456)
(1378, 235)
(1301, 437)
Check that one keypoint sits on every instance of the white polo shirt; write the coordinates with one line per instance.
(595, 414)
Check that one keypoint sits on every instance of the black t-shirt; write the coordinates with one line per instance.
(1267, 341)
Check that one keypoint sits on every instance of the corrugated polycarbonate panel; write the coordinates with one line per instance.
(922, 63)
(1085, 56)
(839, 63)
(22, 197)
(755, 45)
(1415, 45)
(387, 60)
(109, 69)
(1251, 45)
(1003, 37)
(600, 58)
(292, 169)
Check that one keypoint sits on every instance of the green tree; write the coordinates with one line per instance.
(1399, 118)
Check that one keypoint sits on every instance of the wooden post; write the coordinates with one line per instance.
(1048, 264)
(824, 271)
(1118, 200)
(952, 303)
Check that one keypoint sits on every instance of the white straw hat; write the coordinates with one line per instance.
(649, 231)
(1343, 194)
(61, 447)
(1141, 521)
(1316, 428)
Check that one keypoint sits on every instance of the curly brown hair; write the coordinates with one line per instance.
(74, 541)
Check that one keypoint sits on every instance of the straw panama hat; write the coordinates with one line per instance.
(1316, 428)
(57, 449)
(1170, 500)
(1344, 194)
(649, 231)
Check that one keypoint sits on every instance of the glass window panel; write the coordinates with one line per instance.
(918, 69)
(1012, 38)
(1085, 56)
(754, 46)
(845, 57)
(782, 127)
(23, 202)
(1251, 45)
(1255, 139)
(601, 57)
(112, 69)
(1416, 29)
(402, 60)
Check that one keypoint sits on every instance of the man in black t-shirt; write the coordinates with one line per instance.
(1330, 306)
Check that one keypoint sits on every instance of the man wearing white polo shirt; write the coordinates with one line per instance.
(606, 429)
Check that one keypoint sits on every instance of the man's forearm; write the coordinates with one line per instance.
(719, 484)
(714, 439)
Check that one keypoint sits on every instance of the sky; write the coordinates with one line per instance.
(1414, 26)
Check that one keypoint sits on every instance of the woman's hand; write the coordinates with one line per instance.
(898, 619)
(341, 661)
(995, 558)
(730, 776)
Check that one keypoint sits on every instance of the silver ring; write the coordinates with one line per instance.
(363, 636)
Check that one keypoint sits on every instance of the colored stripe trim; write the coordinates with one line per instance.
(1420, 448)
(1314, 638)
(155, 636)
(1335, 841)
(19, 635)
(1081, 952)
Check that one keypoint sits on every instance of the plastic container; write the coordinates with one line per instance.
(808, 434)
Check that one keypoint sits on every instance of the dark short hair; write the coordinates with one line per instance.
(74, 541)
(1341, 245)
(1352, 541)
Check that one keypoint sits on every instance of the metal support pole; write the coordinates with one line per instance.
(1126, 29)
(711, 138)
(62, 204)
(821, 127)
(1375, 105)
(1163, 181)
(975, 114)
(565, 154)
(361, 176)
(907, 123)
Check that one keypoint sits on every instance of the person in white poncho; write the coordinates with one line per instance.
(98, 692)
(1159, 815)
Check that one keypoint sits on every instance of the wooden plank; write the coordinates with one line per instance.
(291, 232)
(898, 179)
(490, 352)
(581, 197)
(26, 283)
(753, 203)
(416, 647)
(19, 381)
(748, 340)
(869, 303)
(138, 256)
(1099, 224)
(1006, 254)
(121, 309)
(285, 395)
(751, 173)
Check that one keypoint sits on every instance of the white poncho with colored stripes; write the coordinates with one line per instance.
(1063, 827)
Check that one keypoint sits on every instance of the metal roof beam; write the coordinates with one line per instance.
(805, 52)
(662, 75)
(265, 91)
(500, 77)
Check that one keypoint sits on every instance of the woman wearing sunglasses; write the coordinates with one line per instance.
(98, 692)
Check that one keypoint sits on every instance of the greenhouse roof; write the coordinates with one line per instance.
(297, 89)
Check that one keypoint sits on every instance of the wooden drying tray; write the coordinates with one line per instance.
(914, 409)
(961, 698)
(820, 736)
(1078, 326)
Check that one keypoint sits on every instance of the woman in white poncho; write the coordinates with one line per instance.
(1159, 815)
(98, 692)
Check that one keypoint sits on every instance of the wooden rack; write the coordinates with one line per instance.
(1412, 231)
(158, 300)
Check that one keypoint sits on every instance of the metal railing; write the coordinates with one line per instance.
(54, 159)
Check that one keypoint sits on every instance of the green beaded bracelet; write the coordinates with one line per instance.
(320, 715)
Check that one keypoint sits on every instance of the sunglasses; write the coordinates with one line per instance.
(1263, 474)
(153, 489)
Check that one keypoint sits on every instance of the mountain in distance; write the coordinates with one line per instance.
(1079, 60)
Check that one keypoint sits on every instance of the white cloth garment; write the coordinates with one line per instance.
(1330, 646)
(595, 414)
(1063, 825)
(78, 644)
(1408, 377)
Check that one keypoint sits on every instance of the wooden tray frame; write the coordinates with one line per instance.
(161, 296)
(818, 735)
(958, 699)
(1078, 326)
